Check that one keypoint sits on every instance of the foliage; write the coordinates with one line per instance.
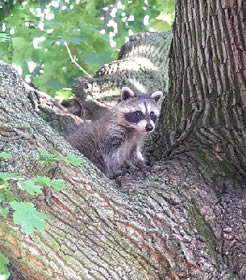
(7, 199)
(70, 158)
(4, 155)
(33, 34)
(33, 186)
(140, 16)
(4, 273)
(30, 187)
(25, 213)
(32, 218)
(45, 181)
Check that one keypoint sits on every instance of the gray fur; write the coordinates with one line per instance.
(112, 140)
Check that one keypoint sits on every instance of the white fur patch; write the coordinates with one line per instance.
(128, 91)
(157, 95)
(139, 154)
(141, 125)
(142, 108)
(152, 108)
(153, 124)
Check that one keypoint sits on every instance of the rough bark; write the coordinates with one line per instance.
(207, 82)
(174, 224)
(203, 119)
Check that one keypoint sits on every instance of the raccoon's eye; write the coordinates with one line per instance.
(153, 116)
(138, 113)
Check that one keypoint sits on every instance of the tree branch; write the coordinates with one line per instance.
(73, 60)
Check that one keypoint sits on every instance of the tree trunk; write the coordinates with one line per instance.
(205, 109)
(203, 119)
(184, 219)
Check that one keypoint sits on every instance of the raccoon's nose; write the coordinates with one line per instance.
(149, 127)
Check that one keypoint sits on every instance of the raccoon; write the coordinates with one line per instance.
(117, 136)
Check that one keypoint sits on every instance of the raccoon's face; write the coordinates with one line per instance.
(141, 111)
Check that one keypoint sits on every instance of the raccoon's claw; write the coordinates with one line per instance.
(141, 165)
(125, 185)
(148, 163)
(117, 174)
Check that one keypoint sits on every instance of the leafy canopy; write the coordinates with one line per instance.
(33, 33)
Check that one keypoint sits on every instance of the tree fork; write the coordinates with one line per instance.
(171, 226)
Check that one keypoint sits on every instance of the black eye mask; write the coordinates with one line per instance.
(134, 117)
(153, 117)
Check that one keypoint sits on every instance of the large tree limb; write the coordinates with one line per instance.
(170, 226)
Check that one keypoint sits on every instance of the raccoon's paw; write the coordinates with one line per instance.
(116, 174)
(140, 164)
(125, 184)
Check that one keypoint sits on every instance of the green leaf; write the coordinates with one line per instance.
(59, 158)
(6, 176)
(46, 156)
(4, 272)
(98, 59)
(5, 194)
(57, 184)
(8, 195)
(23, 49)
(74, 160)
(63, 95)
(2, 196)
(4, 37)
(5, 155)
(160, 25)
(28, 217)
(30, 187)
(166, 17)
(88, 28)
(3, 184)
(4, 211)
(167, 6)
(42, 180)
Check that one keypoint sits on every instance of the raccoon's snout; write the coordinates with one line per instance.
(149, 127)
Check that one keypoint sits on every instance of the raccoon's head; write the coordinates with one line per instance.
(140, 111)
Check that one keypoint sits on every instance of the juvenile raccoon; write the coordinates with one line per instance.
(117, 136)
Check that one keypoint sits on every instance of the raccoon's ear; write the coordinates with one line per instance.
(126, 93)
(156, 95)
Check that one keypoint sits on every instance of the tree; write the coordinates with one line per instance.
(33, 34)
(184, 219)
